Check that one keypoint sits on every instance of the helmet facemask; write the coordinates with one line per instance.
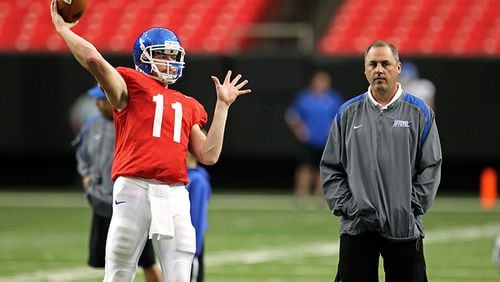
(168, 48)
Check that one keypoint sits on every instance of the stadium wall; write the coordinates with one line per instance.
(259, 150)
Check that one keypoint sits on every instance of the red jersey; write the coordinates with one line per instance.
(152, 131)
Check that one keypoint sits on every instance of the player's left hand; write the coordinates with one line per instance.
(230, 89)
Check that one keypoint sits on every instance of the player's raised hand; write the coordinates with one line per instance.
(230, 89)
(57, 20)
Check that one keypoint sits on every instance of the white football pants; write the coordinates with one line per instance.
(129, 230)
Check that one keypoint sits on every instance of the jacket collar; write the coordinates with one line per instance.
(399, 92)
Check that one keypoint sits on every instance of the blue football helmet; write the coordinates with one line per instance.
(159, 40)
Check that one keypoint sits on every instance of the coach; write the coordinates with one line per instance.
(381, 168)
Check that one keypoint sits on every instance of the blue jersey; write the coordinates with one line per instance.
(317, 113)
(199, 194)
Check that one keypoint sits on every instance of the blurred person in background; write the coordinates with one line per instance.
(94, 154)
(381, 170)
(81, 110)
(155, 127)
(310, 117)
(419, 87)
(200, 191)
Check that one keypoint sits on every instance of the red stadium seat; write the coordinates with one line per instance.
(203, 25)
(418, 27)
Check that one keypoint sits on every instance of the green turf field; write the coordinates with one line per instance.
(43, 237)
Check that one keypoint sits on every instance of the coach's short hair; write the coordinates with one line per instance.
(383, 43)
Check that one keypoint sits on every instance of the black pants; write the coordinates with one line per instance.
(359, 259)
(97, 244)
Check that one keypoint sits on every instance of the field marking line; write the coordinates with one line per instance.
(220, 202)
(331, 249)
(56, 275)
(442, 236)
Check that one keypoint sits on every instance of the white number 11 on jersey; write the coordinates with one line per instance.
(177, 107)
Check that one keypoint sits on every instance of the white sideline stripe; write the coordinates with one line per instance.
(252, 257)
(331, 249)
(55, 275)
(220, 202)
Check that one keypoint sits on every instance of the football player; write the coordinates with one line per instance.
(155, 127)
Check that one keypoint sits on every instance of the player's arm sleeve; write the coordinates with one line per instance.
(333, 175)
(200, 115)
(428, 174)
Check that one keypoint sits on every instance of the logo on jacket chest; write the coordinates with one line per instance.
(401, 123)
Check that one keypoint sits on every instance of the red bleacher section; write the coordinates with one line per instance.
(417, 27)
(204, 26)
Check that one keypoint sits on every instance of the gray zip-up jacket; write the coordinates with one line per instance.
(381, 167)
(94, 154)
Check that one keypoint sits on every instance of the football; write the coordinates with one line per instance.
(71, 10)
